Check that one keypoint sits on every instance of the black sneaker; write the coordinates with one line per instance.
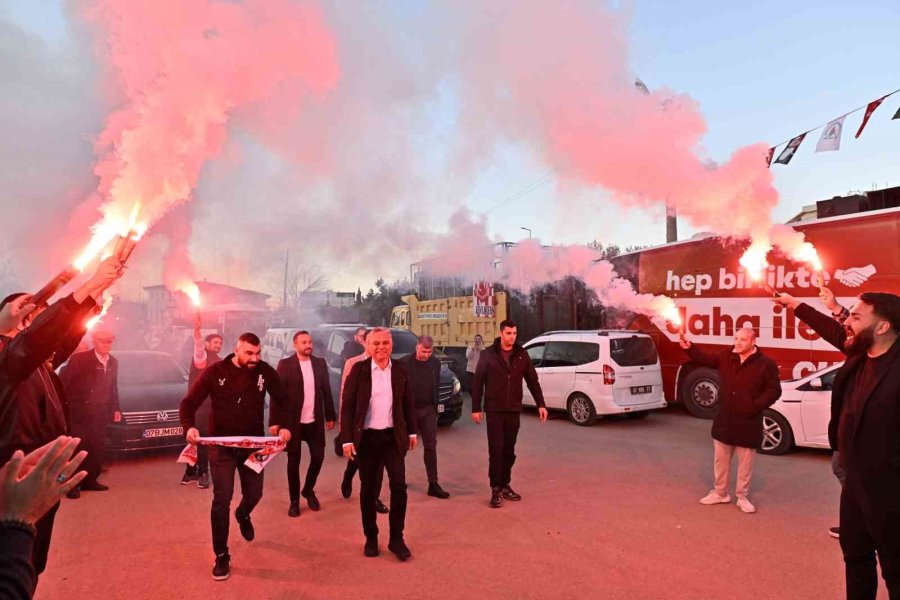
(380, 508)
(311, 500)
(203, 481)
(74, 493)
(835, 532)
(509, 494)
(398, 547)
(435, 490)
(496, 497)
(221, 570)
(245, 525)
(94, 486)
(294, 510)
(371, 547)
(188, 478)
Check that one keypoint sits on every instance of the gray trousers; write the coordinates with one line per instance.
(428, 418)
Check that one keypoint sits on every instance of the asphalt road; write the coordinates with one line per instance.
(609, 511)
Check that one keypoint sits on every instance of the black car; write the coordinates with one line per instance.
(151, 386)
(329, 340)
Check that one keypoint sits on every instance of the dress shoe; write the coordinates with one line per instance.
(509, 494)
(294, 510)
(380, 508)
(74, 493)
(371, 547)
(246, 526)
(398, 547)
(496, 498)
(346, 487)
(94, 486)
(311, 501)
(434, 489)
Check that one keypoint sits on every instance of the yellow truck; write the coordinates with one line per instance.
(452, 322)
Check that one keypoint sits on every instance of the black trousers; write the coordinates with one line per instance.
(91, 428)
(428, 418)
(870, 526)
(502, 432)
(223, 462)
(311, 433)
(41, 550)
(202, 465)
(377, 453)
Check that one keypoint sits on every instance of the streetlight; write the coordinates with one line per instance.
(528, 230)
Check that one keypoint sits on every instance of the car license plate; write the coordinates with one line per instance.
(163, 432)
(642, 389)
(440, 408)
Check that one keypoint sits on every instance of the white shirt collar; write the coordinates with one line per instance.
(375, 365)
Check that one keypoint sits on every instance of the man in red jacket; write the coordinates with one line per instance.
(498, 378)
(749, 385)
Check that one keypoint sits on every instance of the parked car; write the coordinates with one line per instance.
(328, 342)
(151, 386)
(597, 372)
(801, 415)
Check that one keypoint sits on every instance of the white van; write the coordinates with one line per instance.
(597, 372)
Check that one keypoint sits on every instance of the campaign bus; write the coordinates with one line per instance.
(715, 296)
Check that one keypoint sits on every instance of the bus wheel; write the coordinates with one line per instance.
(581, 410)
(777, 435)
(700, 393)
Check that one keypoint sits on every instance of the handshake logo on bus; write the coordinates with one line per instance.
(856, 276)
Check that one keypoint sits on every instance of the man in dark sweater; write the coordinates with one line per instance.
(865, 412)
(498, 379)
(424, 374)
(749, 385)
(205, 354)
(236, 388)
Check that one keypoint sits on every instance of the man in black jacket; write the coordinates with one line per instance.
(205, 354)
(32, 409)
(91, 381)
(425, 373)
(865, 414)
(236, 388)
(498, 379)
(310, 411)
(378, 426)
(749, 384)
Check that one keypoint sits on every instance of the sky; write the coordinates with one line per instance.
(760, 72)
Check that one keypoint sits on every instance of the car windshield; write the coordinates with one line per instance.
(146, 369)
(404, 343)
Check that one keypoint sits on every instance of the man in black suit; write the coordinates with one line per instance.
(310, 411)
(865, 412)
(378, 426)
(91, 381)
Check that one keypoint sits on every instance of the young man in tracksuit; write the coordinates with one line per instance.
(237, 387)
(498, 379)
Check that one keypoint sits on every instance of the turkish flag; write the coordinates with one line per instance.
(769, 155)
(869, 110)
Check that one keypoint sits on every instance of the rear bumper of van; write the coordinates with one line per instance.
(611, 408)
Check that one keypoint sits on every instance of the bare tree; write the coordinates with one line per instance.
(299, 279)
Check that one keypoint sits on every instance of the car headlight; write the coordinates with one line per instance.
(457, 386)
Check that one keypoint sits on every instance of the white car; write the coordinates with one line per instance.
(597, 372)
(801, 415)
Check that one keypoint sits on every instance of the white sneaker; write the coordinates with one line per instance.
(715, 498)
(745, 505)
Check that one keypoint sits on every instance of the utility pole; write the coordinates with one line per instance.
(284, 296)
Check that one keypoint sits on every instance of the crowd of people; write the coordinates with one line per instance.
(52, 429)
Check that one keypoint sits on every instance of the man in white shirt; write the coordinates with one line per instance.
(378, 427)
(310, 411)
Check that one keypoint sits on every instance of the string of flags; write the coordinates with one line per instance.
(830, 139)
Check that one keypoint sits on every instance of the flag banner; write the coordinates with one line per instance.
(788, 153)
(769, 155)
(869, 110)
(830, 140)
(265, 449)
(483, 296)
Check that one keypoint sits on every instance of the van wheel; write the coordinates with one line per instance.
(700, 393)
(581, 410)
(777, 435)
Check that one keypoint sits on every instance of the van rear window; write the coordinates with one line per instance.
(570, 354)
(635, 351)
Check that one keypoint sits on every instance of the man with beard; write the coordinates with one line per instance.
(236, 387)
(354, 347)
(498, 379)
(310, 411)
(865, 411)
(206, 354)
(749, 386)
